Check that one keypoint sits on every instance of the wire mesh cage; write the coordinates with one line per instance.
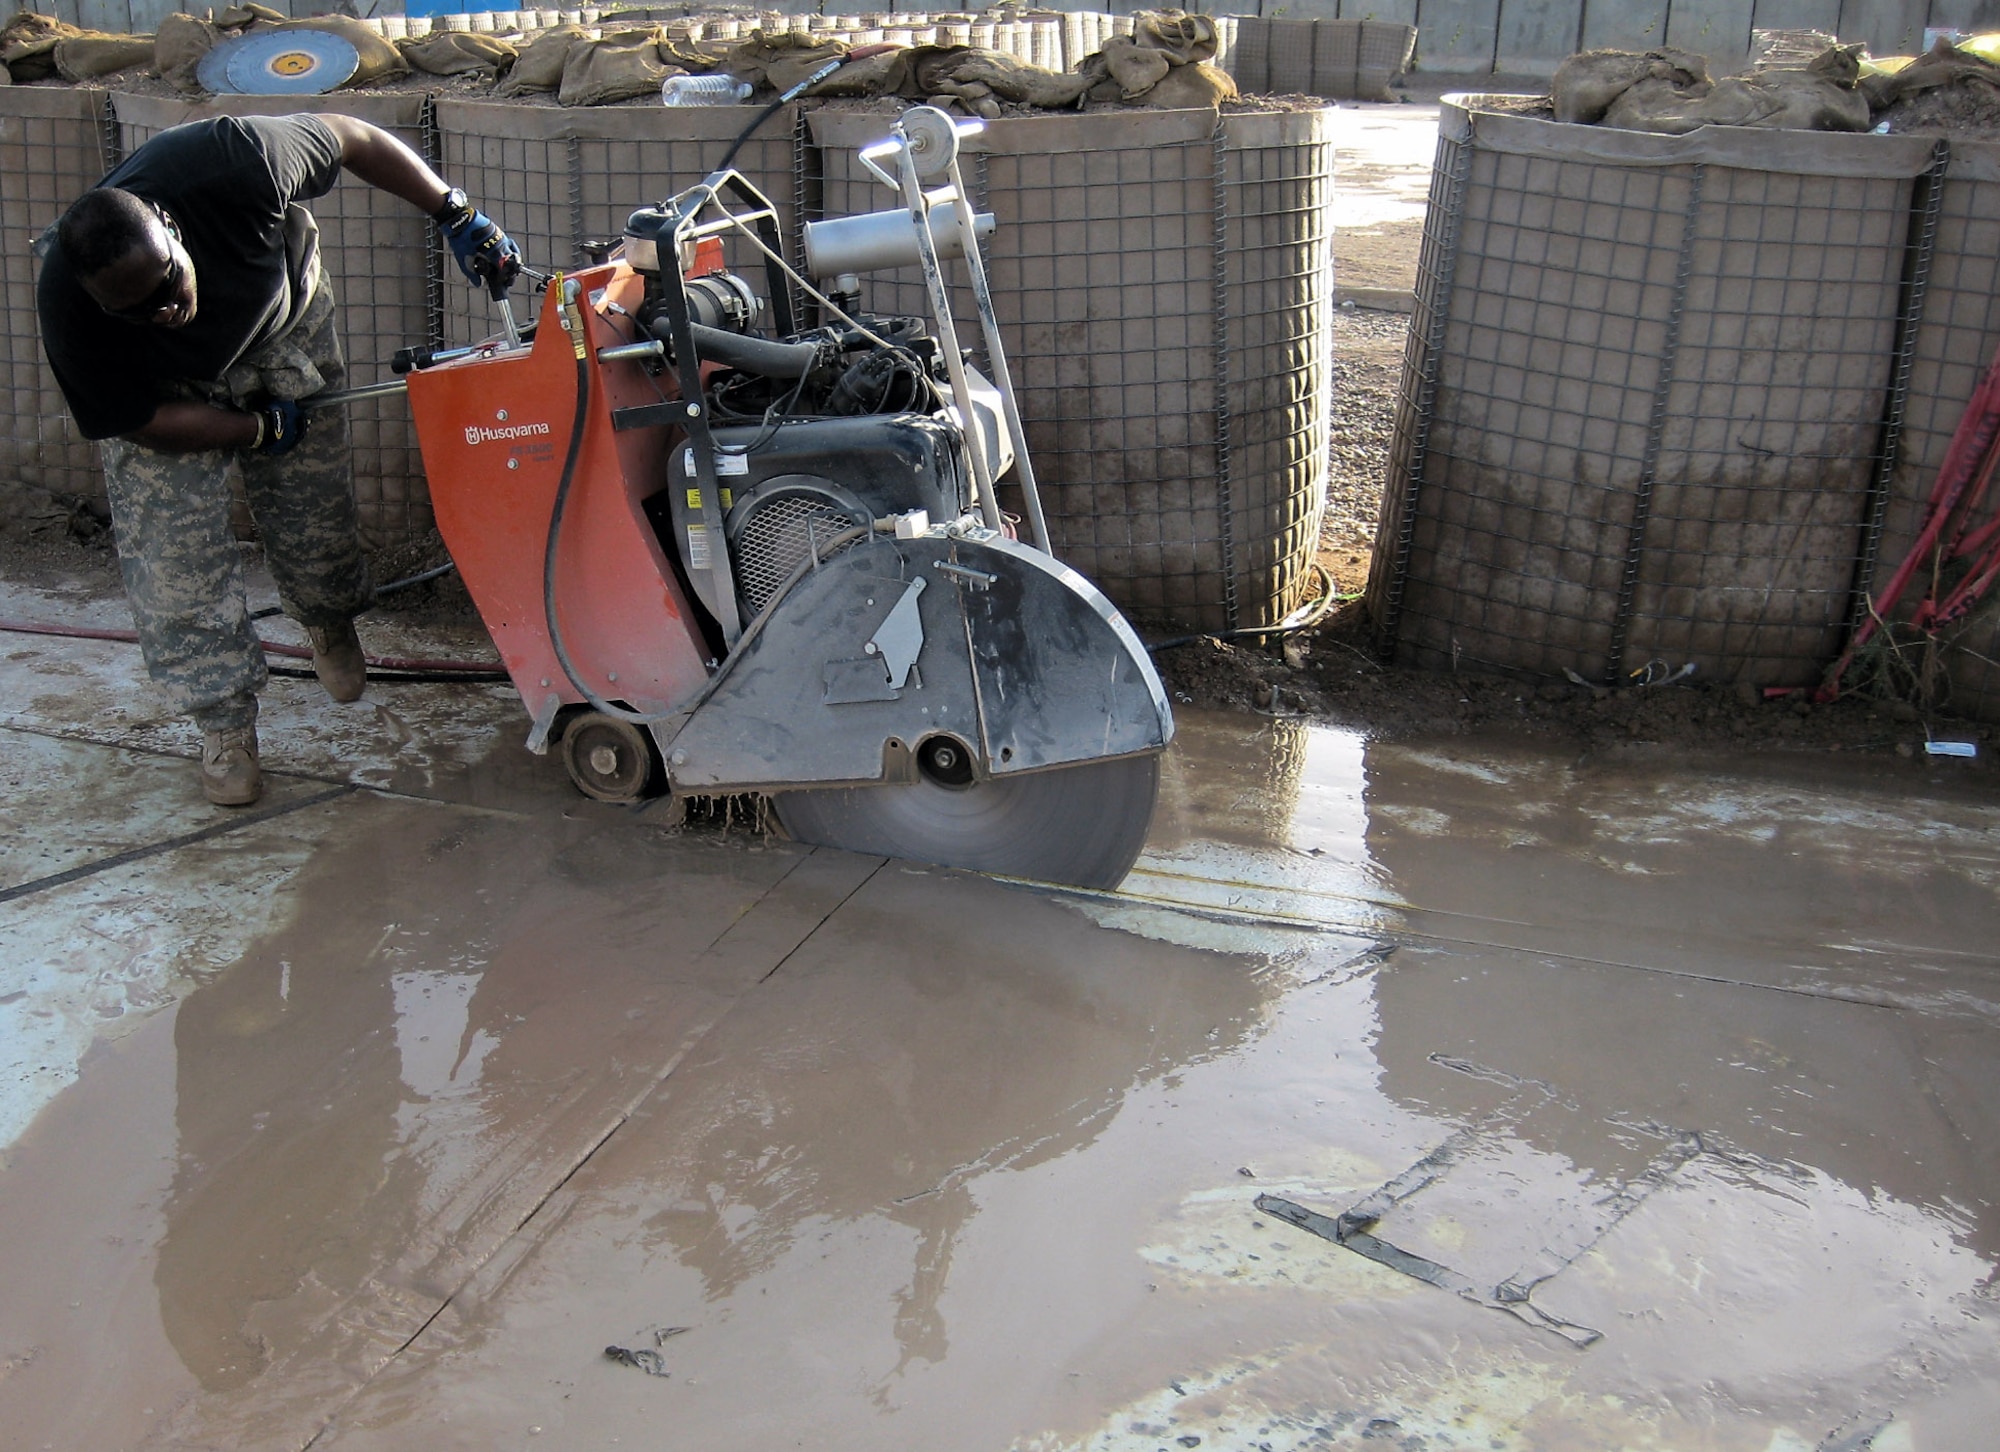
(1164, 292)
(59, 142)
(1649, 404)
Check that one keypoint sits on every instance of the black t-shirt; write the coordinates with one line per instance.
(231, 185)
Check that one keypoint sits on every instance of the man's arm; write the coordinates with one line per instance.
(485, 254)
(184, 426)
(378, 158)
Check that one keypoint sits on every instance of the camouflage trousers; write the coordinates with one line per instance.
(178, 551)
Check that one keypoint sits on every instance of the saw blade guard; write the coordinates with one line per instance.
(956, 656)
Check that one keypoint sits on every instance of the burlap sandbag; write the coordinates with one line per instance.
(244, 17)
(1777, 100)
(779, 60)
(957, 70)
(380, 60)
(458, 53)
(1186, 38)
(1587, 83)
(28, 45)
(33, 60)
(616, 68)
(1943, 68)
(1188, 87)
(1125, 70)
(26, 28)
(539, 66)
(699, 57)
(887, 74)
(178, 48)
(85, 57)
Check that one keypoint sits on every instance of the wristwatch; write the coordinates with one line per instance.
(456, 206)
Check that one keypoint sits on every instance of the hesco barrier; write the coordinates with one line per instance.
(1164, 284)
(53, 144)
(1673, 399)
(1164, 290)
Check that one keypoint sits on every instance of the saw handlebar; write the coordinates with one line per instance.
(334, 396)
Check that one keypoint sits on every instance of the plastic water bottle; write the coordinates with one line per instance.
(716, 90)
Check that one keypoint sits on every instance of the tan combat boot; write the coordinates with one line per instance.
(230, 776)
(337, 660)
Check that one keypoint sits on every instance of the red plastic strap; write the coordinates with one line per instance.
(1969, 464)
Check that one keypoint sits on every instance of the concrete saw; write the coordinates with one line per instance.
(725, 545)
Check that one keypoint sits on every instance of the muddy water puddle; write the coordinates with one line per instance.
(1659, 1101)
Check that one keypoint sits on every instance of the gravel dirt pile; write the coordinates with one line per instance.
(1367, 370)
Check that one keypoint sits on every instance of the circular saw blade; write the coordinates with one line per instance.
(1082, 825)
(213, 68)
(285, 63)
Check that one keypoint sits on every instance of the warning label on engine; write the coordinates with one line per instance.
(724, 463)
(697, 547)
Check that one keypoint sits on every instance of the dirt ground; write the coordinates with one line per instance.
(1328, 672)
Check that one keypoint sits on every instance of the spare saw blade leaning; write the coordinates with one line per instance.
(279, 63)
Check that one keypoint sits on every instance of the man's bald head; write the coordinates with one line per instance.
(126, 254)
(104, 225)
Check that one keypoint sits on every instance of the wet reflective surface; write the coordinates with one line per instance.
(1659, 1096)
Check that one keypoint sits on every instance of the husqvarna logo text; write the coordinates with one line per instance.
(476, 434)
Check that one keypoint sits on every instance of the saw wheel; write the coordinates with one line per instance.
(609, 759)
(1082, 825)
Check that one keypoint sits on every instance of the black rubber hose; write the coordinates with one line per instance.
(753, 355)
(378, 676)
(422, 577)
(391, 588)
(576, 425)
(778, 105)
(549, 555)
(1307, 617)
(744, 135)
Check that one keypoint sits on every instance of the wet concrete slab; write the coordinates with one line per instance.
(459, 743)
(453, 1011)
(1649, 1102)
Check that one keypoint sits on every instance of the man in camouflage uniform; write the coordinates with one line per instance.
(184, 313)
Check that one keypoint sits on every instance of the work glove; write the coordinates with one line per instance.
(283, 425)
(485, 254)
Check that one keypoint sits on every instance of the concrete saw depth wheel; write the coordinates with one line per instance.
(1082, 825)
(608, 758)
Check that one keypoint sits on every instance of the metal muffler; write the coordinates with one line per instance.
(878, 240)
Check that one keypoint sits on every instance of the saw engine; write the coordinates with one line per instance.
(723, 552)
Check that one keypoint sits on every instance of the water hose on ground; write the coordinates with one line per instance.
(405, 668)
(1308, 615)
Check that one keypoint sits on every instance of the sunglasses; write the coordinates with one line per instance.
(162, 297)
